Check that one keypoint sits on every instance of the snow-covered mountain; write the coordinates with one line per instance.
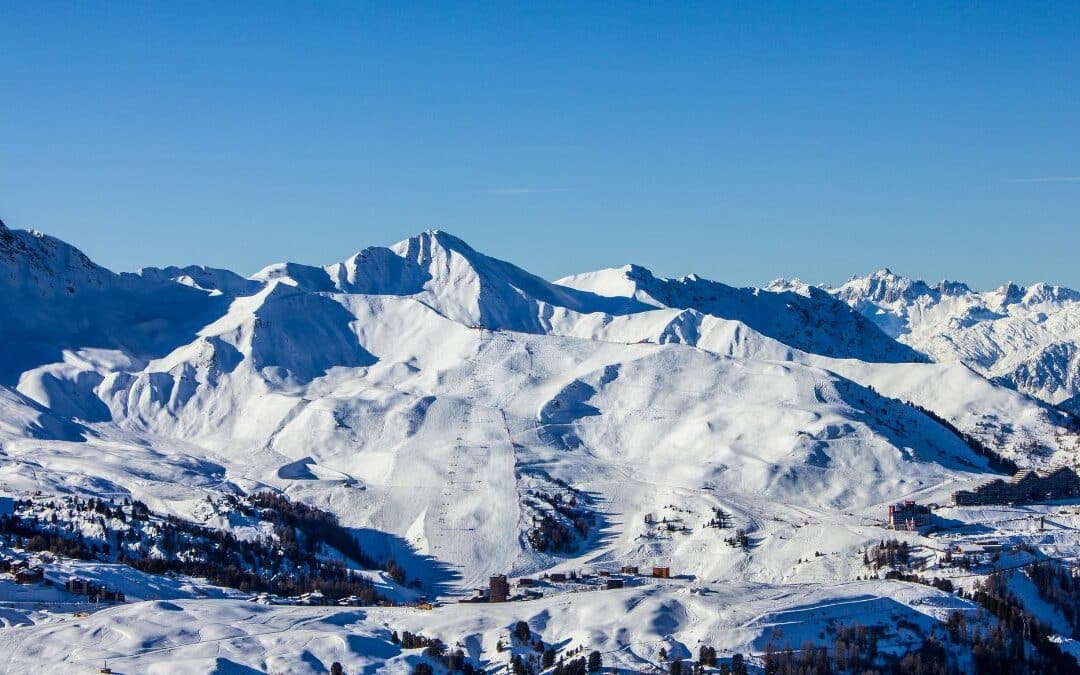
(435, 399)
(55, 300)
(813, 322)
(1028, 338)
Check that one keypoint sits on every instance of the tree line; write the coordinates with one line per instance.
(295, 560)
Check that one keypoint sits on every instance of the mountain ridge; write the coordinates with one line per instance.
(1025, 337)
(462, 418)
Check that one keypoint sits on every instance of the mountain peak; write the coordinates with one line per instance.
(628, 281)
(637, 272)
(946, 287)
(785, 285)
(433, 239)
(878, 274)
(1043, 292)
(204, 278)
(44, 265)
(883, 286)
(1010, 293)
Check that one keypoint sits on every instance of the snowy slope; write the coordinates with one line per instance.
(605, 417)
(756, 324)
(630, 627)
(424, 393)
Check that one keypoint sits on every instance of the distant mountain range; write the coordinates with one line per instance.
(1025, 338)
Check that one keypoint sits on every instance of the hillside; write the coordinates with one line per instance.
(464, 418)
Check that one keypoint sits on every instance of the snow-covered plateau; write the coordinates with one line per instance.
(298, 468)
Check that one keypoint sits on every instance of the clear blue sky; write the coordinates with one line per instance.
(739, 141)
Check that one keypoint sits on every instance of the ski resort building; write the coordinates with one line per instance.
(29, 575)
(908, 515)
(313, 599)
(498, 589)
(1027, 485)
(95, 592)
